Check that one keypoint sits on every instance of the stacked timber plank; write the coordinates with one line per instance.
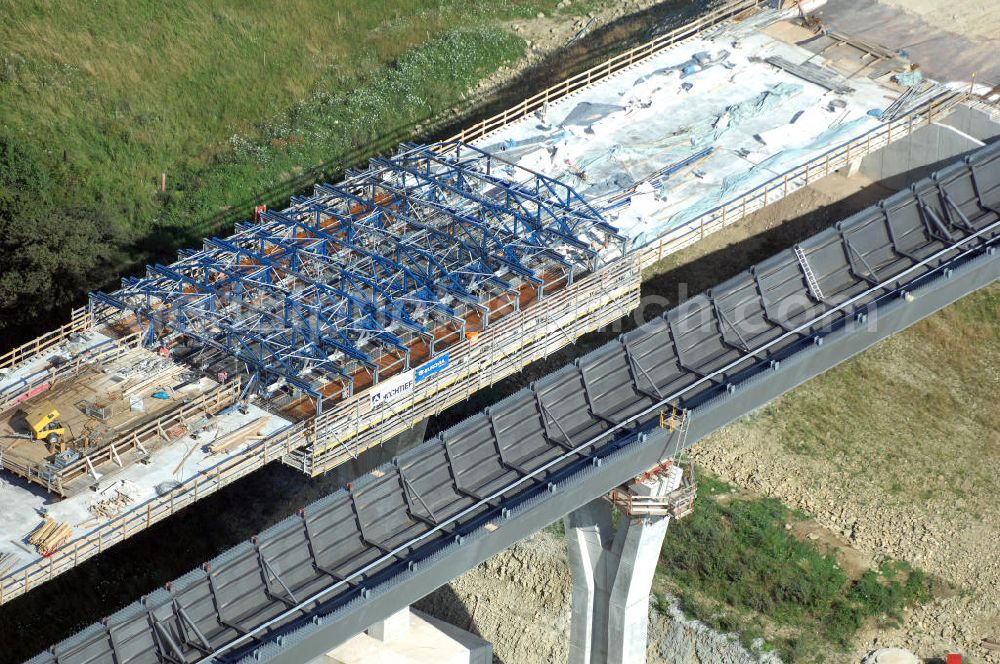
(248, 431)
(49, 536)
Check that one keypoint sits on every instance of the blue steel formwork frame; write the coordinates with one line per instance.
(347, 279)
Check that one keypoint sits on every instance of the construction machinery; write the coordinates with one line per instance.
(43, 420)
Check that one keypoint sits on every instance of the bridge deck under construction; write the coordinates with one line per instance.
(319, 331)
(307, 573)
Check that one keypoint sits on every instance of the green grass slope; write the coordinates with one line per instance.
(236, 102)
(737, 565)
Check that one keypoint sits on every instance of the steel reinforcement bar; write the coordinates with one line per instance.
(350, 559)
(44, 380)
(47, 376)
(152, 434)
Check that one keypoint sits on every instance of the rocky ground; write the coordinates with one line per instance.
(977, 18)
(956, 541)
(894, 453)
(519, 600)
(546, 35)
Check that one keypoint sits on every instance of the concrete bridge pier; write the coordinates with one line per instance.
(612, 568)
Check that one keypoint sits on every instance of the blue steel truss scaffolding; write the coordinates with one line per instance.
(400, 259)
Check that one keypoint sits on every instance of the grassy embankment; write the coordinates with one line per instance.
(905, 431)
(738, 565)
(926, 395)
(924, 400)
(236, 105)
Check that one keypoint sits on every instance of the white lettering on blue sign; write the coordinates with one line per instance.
(428, 369)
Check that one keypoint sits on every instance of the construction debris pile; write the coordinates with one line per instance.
(251, 431)
(121, 496)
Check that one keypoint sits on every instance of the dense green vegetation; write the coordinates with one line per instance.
(235, 103)
(737, 567)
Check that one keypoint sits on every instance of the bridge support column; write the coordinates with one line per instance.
(612, 571)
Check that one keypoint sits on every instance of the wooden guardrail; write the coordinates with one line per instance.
(46, 378)
(35, 473)
(153, 433)
(206, 482)
(79, 323)
(603, 70)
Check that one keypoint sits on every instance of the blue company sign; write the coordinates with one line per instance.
(428, 369)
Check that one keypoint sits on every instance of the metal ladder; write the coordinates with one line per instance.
(807, 270)
(685, 427)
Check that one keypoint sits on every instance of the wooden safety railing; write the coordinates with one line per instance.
(206, 482)
(152, 434)
(46, 378)
(602, 71)
(145, 437)
(79, 323)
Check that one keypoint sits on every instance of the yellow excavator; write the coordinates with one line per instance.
(43, 420)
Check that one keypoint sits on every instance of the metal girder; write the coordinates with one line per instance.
(539, 187)
(512, 209)
(360, 271)
(487, 247)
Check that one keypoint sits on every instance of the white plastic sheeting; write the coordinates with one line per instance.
(713, 92)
